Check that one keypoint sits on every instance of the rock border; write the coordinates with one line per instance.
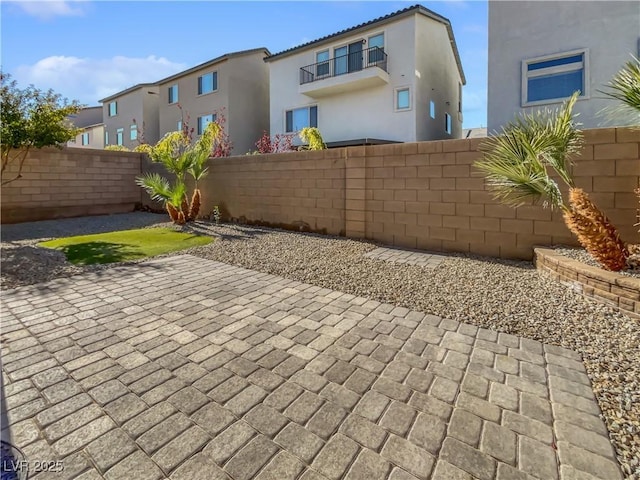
(610, 288)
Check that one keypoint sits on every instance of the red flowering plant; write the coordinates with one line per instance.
(278, 144)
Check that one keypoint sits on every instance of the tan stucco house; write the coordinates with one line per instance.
(130, 114)
(235, 85)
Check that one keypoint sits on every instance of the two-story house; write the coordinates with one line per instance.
(89, 119)
(397, 78)
(235, 85)
(542, 52)
(130, 114)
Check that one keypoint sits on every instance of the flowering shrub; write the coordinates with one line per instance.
(278, 144)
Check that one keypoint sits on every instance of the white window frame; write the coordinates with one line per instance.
(201, 128)
(448, 123)
(175, 100)
(384, 36)
(85, 135)
(432, 109)
(316, 62)
(179, 125)
(133, 128)
(213, 72)
(526, 75)
(106, 138)
(395, 99)
(120, 136)
(299, 107)
(115, 103)
(384, 42)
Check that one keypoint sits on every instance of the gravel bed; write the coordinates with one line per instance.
(583, 256)
(508, 296)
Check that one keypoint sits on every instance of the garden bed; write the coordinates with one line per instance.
(611, 288)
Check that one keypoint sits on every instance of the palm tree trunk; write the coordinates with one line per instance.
(173, 213)
(185, 209)
(195, 204)
(595, 232)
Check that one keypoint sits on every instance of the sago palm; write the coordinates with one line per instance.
(160, 190)
(179, 158)
(518, 165)
(198, 157)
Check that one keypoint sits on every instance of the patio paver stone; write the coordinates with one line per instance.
(181, 367)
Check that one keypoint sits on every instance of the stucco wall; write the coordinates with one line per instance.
(96, 138)
(524, 30)
(364, 113)
(437, 79)
(242, 97)
(139, 104)
(193, 105)
(70, 183)
(248, 115)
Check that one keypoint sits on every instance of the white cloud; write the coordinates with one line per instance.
(47, 9)
(89, 80)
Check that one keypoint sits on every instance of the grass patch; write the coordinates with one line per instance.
(124, 245)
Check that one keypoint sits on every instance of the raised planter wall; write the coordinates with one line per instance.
(614, 289)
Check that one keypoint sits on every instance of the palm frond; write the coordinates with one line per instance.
(625, 85)
(177, 194)
(515, 183)
(156, 186)
(517, 163)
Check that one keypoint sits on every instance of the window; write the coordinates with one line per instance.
(459, 98)
(173, 93)
(554, 77)
(113, 109)
(376, 54)
(119, 136)
(340, 60)
(179, 125)
(106, 138)
(322, 60)
(85, 138)
(133, 135)
(208, 83)
(403, 101)
(432, 109)
(300, 118)
(447, 123)
(203, 122)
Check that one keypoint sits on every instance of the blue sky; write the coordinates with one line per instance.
(88, 50)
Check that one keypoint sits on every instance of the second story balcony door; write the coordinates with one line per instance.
(348, 58)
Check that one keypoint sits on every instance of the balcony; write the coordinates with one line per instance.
(354, 71)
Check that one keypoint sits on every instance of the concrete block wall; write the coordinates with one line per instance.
(423, 195)
(70, 182)
(297, 190)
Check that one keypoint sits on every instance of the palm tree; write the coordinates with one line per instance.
(518, 165)
(179, 158)
(625, 87)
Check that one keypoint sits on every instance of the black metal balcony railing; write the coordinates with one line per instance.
(352, 62)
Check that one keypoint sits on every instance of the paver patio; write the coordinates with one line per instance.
(185, 368)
